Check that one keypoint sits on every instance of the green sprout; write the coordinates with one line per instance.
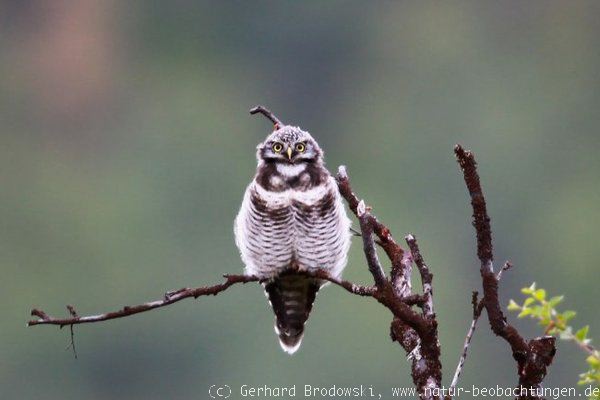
(539, 307)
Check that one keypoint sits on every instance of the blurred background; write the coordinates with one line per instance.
(126, 146)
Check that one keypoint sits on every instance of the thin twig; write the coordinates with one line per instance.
(392, 249)
(185, 293)
(267, 113)
(426, 276)
(369, 245)
(359, 290)
(507, 265)
(477, 309)
(168, 299)
(478, 306)
(73, 342)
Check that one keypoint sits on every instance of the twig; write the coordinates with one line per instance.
(426, 276)
(359, 290)
(185, 293)
(507, 265)
(264, 111)
(73, 342)
(478, 306)
(366, 229)
(392, 249)
(477, 309)
(532, 357)
(415, 332)
(168, 299)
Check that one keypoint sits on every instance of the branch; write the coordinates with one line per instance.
(478, 306)
(426, 276)
(370, 225)
(481, 220)
(366, 228)
(168, 299)
(416, 333)
(394, 252)
(268, 114)
(532, 357)
(359, 290)
(185, 293)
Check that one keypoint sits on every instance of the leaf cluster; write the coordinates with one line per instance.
(538, 306)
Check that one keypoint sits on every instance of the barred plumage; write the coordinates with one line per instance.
(292, 218)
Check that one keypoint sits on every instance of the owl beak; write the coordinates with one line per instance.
(289, 153)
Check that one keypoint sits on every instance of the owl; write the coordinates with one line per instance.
(291, 219)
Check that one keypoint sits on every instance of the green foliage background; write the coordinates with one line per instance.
(126, 147)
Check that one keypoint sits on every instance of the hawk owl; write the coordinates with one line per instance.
(292, 219)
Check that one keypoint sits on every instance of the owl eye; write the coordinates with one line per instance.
(300, 147)
(277, 147)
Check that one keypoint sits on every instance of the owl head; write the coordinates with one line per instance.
(287, 144)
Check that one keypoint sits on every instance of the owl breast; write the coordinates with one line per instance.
(292, 223)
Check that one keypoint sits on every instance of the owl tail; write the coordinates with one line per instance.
(291, 297)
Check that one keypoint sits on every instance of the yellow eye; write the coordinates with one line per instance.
(300, 147)
(277, 147)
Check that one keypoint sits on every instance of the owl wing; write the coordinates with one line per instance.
(323, 228)
(262, 232)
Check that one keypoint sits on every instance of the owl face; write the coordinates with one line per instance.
(289, 145)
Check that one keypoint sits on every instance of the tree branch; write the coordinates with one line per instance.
(532, 357)
(478, 306)
(426, 276)
(268, 114)
(394, 252)
(366, 228)
(416, 333)
(168, 299)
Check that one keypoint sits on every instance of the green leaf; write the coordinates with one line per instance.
(528, 301)
(537, 311)
(546, 311)
(513, 306)
(568, 315)
(529, 290)
(524, 313)
(554, 301)
(593, 362)
(539, 294)
(582, 333)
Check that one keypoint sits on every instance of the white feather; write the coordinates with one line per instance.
(290, 170)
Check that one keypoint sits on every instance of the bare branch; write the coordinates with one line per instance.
(359, 290)
(394, 251)
(478, 306)
(268, 114)
(426, 276)
(168, 299)
(507, 265)
(180, 294)
(415, 332)
(532, 357)
(477, 309)
(481, 220)
(366, 229)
